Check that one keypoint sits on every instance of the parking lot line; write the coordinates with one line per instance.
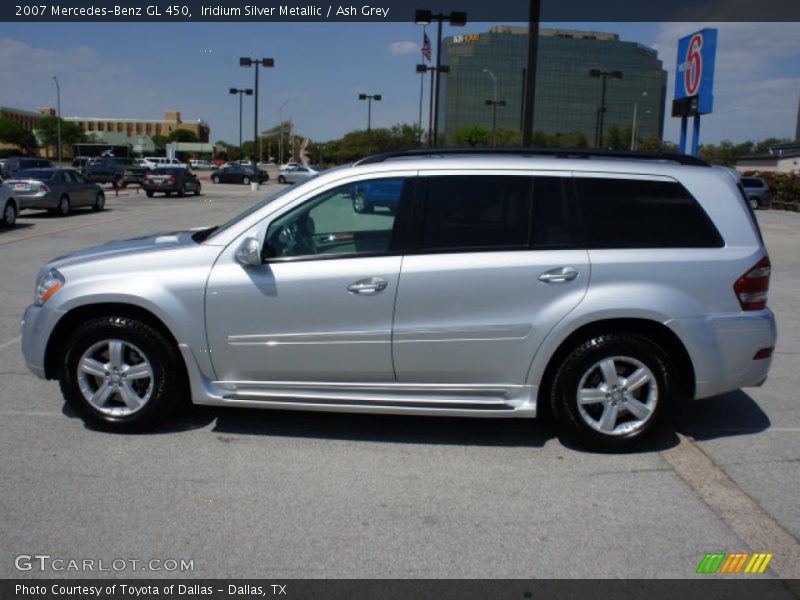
(10, 342)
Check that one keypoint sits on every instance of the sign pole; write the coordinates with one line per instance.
(696, 135)
(682, 146)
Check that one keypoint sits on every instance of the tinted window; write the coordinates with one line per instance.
(554, 221)
(752, 182)
(329, 224)
(473, 212)
(35, 174)
(623, 213)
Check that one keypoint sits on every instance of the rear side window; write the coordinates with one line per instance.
(752, 182)
(476, 212)
(626, 213)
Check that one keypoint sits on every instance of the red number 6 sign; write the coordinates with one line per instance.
(694, 65)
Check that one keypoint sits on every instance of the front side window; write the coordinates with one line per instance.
(630, 213)
(330, 224)
(466, 212)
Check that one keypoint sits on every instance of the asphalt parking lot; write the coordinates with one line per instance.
(290, 494)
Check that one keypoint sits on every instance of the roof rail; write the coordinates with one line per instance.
(683, 159)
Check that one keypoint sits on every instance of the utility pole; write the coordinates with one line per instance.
(256, 63)
(530, 72)
(58, 117)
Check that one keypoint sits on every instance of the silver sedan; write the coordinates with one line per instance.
(298, 173)
(56, 190)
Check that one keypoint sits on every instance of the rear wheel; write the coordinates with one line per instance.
(120, 374)
(215, 179)
(182, 191)
(197, 190)
(360, 204)
(99, 201)
(754, 203)
(64, 206)
(246, 180)
(9, 214)
(611, 391)
(281, 179)
(149, 193)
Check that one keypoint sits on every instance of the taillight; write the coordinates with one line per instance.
(43, 188)
(173, 179)
(751, 288)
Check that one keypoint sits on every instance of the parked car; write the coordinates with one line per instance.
(79, 162)
(171, 180)
(8, 217)
(57, 190)
(757, 191)
(474, 299)
(119, 172)
(238, 174)
(154, 162)
(19, 163)
(297, 173)
(200, 165)
(381, 192)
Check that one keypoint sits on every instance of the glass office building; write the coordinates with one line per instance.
(567, 98)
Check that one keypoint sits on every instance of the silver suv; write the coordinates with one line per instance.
(605, 287)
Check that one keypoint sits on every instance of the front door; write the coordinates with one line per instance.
(320, 307)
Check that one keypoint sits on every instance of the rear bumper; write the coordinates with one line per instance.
(722, 349)
(44, 200)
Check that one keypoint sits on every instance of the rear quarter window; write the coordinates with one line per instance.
(632, 213)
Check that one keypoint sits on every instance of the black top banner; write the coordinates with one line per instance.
(397, 10)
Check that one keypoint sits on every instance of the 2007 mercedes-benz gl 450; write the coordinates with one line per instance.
(487, 285)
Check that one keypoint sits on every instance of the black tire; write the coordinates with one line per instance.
(168, 382)
(99, 202)
(754, 203)
(64, 206)
(197, 190)
(182, 191)
(215, 179)
(246, 180)
(149, 193)
(281, 179)
(564, 391)
(10, 212)
(362, 205)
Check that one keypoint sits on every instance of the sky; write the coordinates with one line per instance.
(141, 70)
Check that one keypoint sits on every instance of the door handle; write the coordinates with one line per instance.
(559, 275)
(373, 285)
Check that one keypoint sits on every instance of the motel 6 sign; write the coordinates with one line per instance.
(694, 81)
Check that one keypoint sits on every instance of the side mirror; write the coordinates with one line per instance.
(249, 252)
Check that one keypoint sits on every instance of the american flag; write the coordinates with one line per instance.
(426, 46)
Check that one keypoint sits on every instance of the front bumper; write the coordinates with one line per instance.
(37, 325)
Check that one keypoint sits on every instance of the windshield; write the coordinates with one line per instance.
(34, 174)
(209, 233)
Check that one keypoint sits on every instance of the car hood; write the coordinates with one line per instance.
(150, 243)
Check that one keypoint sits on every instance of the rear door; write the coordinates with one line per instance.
(493, 271)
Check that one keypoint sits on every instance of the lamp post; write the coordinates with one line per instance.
(633, 126)
(58, 116)
(369, 98)
(426, 17)
(494, 104)
(246, 92)
(280, 139)
(256, 63)
(422, 69)
(598, 136)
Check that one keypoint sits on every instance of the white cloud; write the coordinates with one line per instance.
(756, 80)
(401, 48)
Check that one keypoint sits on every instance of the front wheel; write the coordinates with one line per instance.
(611, 390)
(120, 374)
(754, 203)
(149, 193)
(281, 179)
(197, 190)
(9, 214)
(182, 191)
(246, 180)
(215, 179)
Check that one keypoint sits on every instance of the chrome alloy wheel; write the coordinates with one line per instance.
(115, 377)
(617, 395)
(10, 214)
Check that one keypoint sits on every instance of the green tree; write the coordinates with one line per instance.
(473, 136)
(47, 132)
(14, 133)
(160, 143)
(183, 135)
(508, 137)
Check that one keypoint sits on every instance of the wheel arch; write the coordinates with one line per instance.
(80, 314)
(654, 330)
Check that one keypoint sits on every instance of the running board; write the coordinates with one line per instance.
(430, 399)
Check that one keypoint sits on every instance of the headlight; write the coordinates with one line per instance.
(48, 284)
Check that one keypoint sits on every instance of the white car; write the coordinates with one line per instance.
(200, 164)
(154, 162)
(297, 173)
(10, 206)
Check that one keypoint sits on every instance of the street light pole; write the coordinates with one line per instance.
(494, 104)
(426, 17)
(256, 63)
(422, 69)
(369, 98)
(248, 92)
(633, 127)
(598, 137)
(58, 117)
(280, 139)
